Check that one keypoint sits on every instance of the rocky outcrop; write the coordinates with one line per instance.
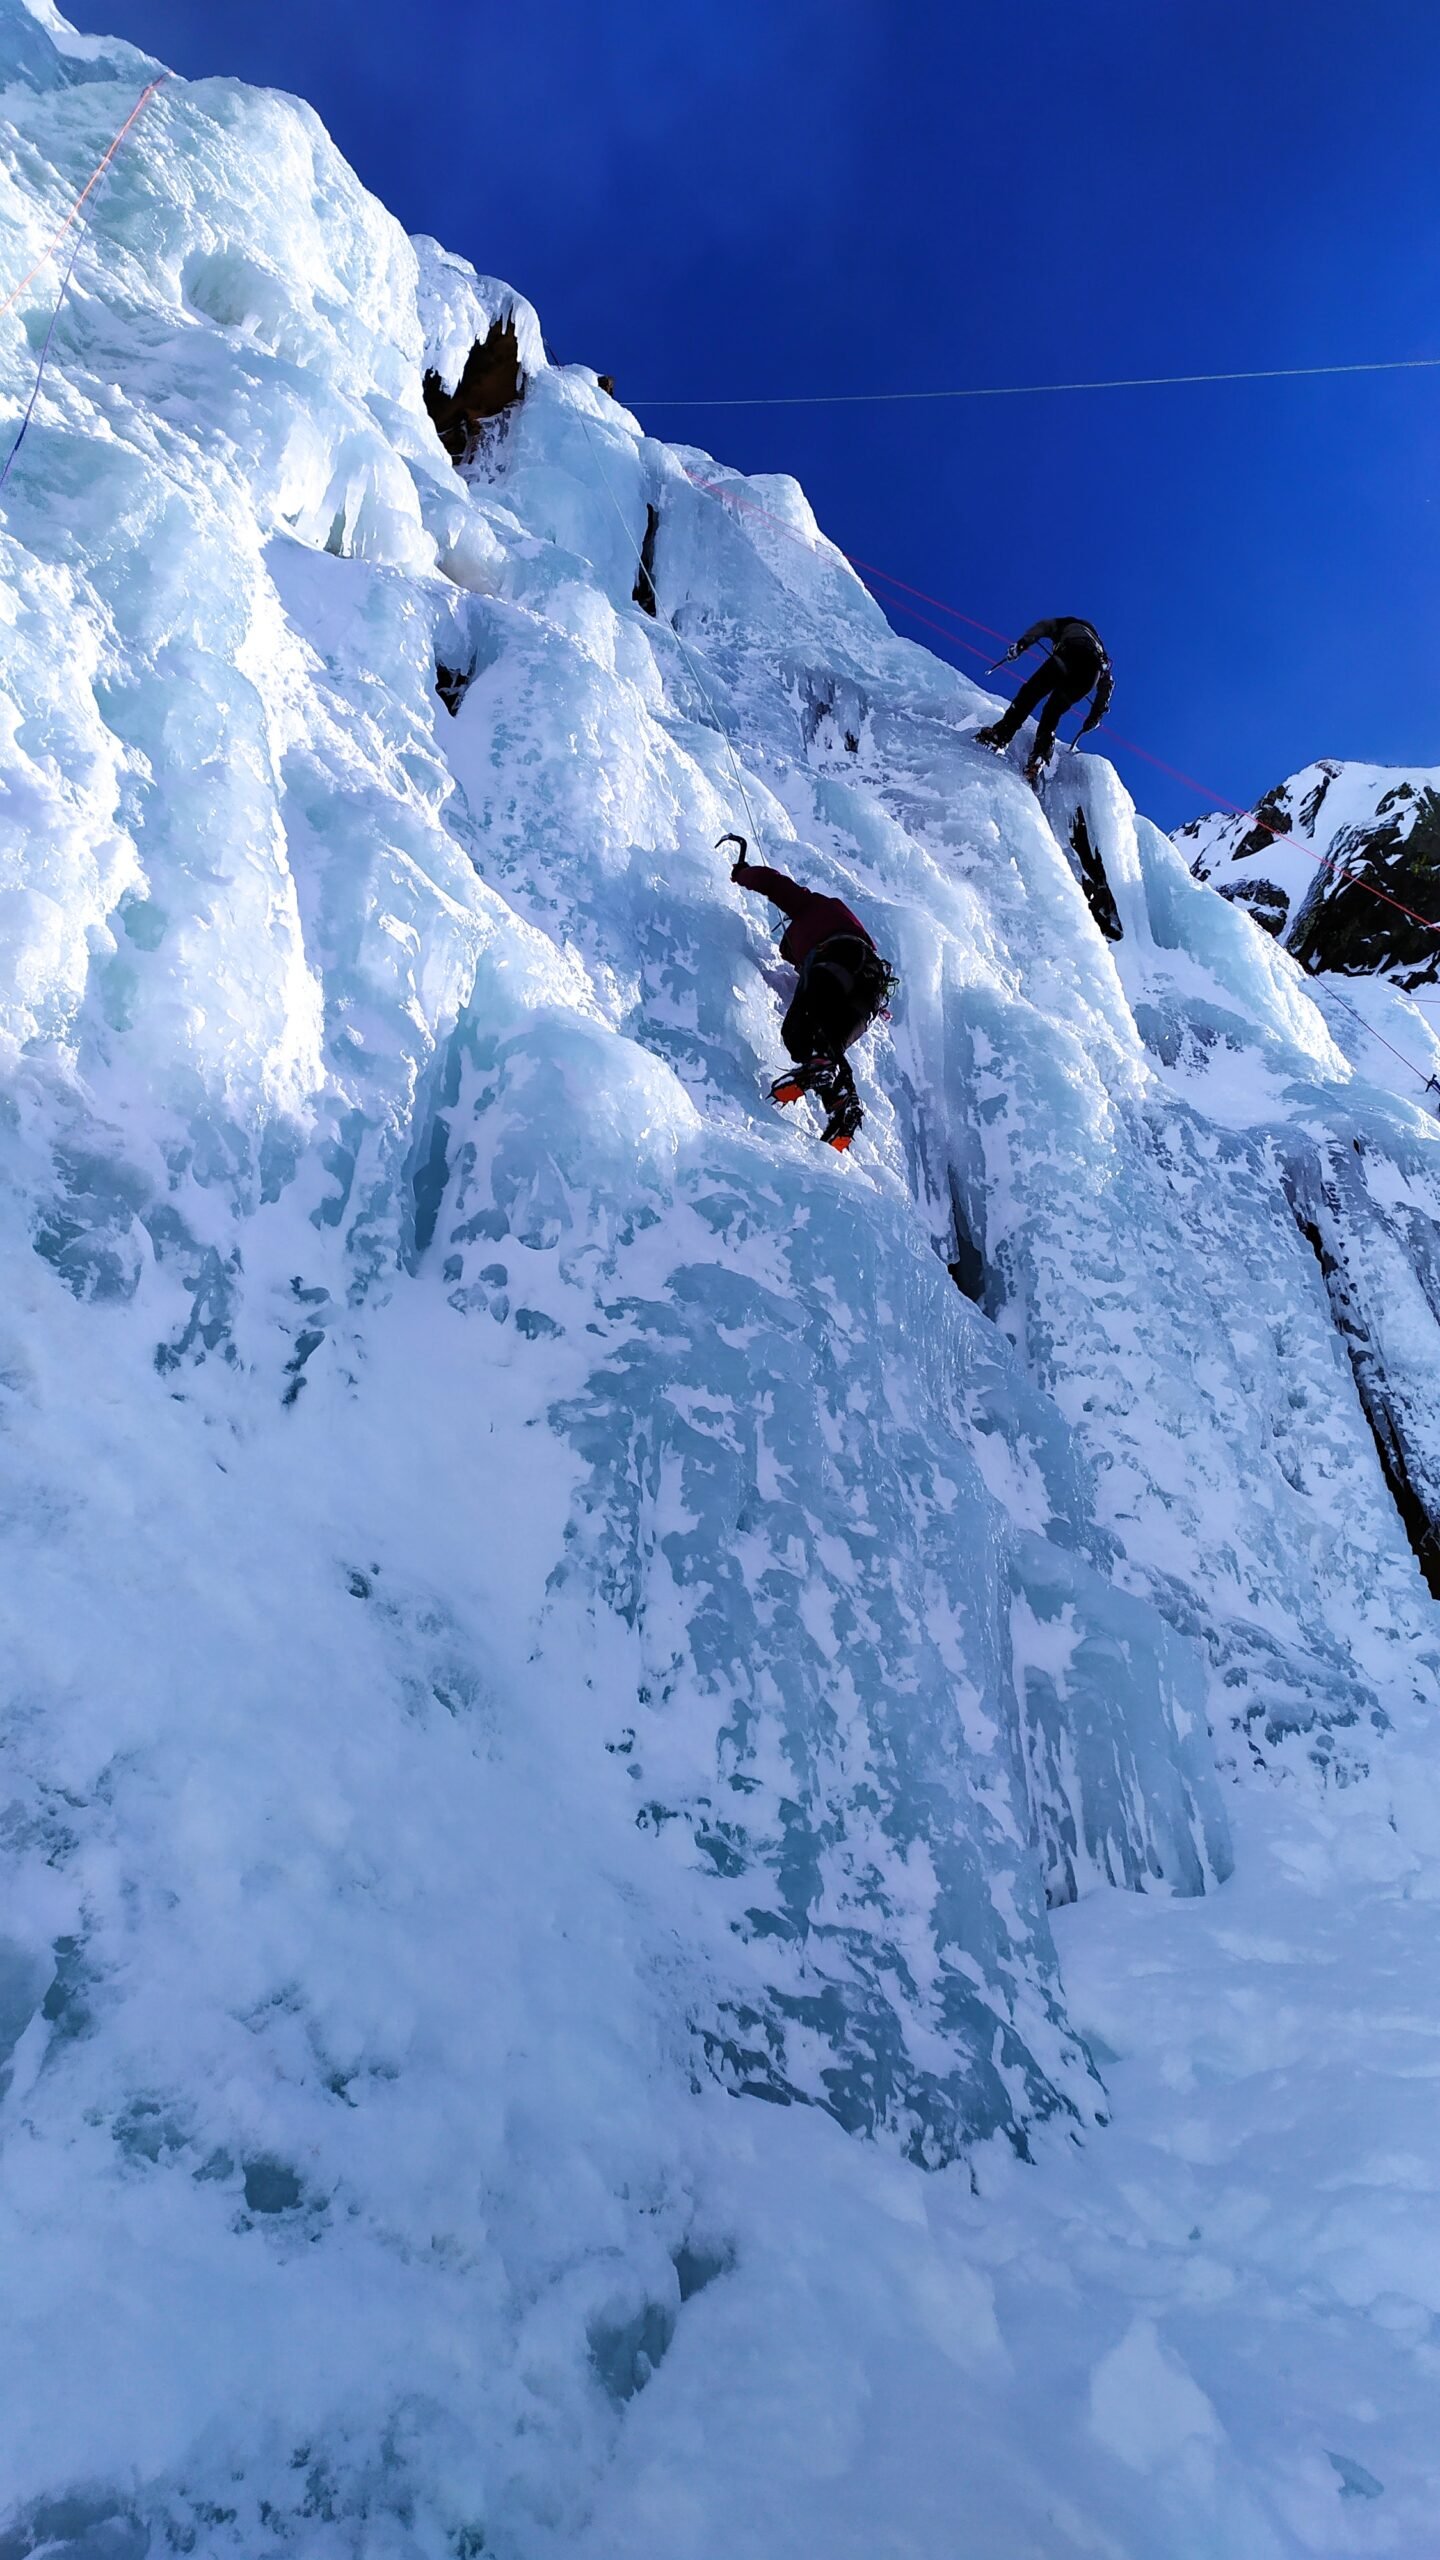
(492, 381)
(644, 589)
(1341, 863)
(1093, 880)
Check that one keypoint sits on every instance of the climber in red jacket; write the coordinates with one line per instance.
(842, 985)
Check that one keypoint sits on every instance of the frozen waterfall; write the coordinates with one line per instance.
(543, 1608)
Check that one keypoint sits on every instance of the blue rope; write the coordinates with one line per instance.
(95, 179)
(44, 359)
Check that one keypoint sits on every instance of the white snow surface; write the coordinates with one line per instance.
(669, 1886)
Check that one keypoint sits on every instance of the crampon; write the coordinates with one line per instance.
(813, 1076)
(843, 1124)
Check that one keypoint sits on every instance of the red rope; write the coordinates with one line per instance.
(891, 580)
(1323, 859)
(739, 498)
(93, 181)
(718, 489)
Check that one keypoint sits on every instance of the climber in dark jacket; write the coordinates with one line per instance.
(843, 984)
(1077, 661)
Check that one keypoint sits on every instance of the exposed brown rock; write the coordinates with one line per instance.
(491, 383)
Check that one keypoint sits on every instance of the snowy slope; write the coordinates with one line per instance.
(544, 1610)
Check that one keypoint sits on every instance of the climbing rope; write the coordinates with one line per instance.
(736, 497)
(72, 218)
(1204, 790)
(91, 183)
(1037, 390)
(20, 432)
(1430, 1083)
(742, 499)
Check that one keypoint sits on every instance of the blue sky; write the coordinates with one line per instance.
(782, 196)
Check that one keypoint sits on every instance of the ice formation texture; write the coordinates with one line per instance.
(542, 1607)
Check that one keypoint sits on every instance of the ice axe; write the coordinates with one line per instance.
(740, 856)
(1013, 652)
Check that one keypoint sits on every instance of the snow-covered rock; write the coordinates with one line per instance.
(539, 1615)
(1330, 862)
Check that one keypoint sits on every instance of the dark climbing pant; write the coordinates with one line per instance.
(1064, 682)
(840, 992)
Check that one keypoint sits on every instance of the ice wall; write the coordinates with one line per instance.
(541, 1613)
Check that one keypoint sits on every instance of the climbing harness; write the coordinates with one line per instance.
(71, 219)
(715, 489)
(732, 496)
(875, 970)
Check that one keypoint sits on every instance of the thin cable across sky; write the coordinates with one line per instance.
(1032, 390)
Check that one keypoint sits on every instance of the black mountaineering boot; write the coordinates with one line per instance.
(844, 1122)
(842, 1104)
(814, 1077)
